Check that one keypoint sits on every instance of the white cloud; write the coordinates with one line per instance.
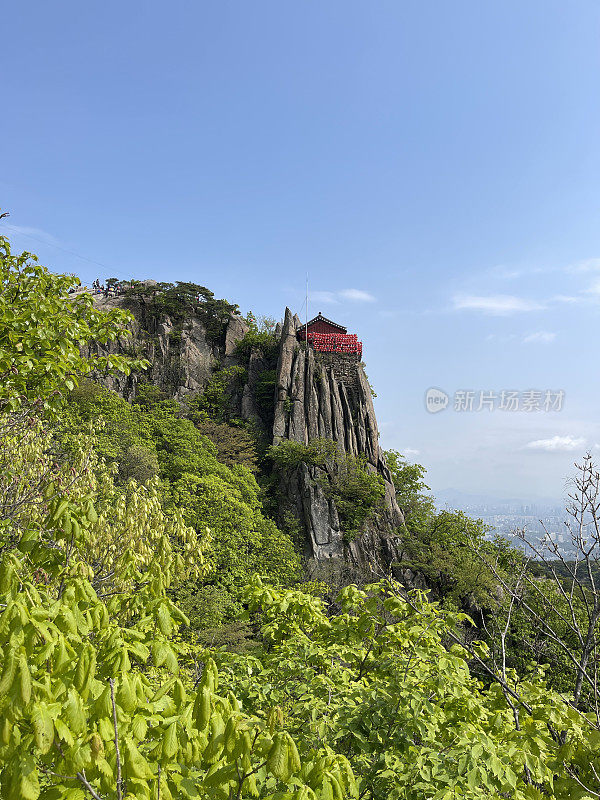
(594, 287)
(498, 304)
(334, 298)
(323, 297)
(557, 444)
(357, 295)
(565, 298)
(410, 451)
(540, 337)
(588, 265)
(506, 274)
(33, 233)
(502, 338)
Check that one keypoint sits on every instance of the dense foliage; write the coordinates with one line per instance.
(93, 700)
(110, 510)
(380, 682)
(235, 445)
(95, 696)
(260, 336)
(157, 440)
(357, 491)
(215, 400)
(264, 341)
(289, 454)
(409, 483)
(261, 342)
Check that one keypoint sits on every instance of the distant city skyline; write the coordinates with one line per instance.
(437, 175)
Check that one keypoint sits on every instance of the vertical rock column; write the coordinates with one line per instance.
(313, 401)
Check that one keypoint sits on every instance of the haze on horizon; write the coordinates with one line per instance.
(434, 168)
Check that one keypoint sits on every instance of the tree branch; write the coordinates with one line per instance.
(114, 712)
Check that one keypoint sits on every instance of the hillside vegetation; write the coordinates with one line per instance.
(134, 544)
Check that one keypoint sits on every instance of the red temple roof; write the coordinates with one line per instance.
(322, 324)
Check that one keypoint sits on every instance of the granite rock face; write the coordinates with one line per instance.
(322, 395)
(182, 357)
(237, 328)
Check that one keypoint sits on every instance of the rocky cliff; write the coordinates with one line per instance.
(328, 396)
(292, 393)
(181, 354)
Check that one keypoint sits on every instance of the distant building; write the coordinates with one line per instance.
(327, 336)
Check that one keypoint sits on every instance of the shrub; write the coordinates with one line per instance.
(267, 342)
(235, 446)
(148, 395)
(356, 491)
(264, 392)
(290, 454)
(215, 399)
(409, 483)
(140, 463)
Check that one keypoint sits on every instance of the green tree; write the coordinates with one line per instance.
(409, 483)
(235, 445)
(265, 341)
(263, 324)
(140, 463)
(42, 328)
(215, 400)
(138, 439)
(440, 549)
(382, 681)
(93, 700)
(289, 454)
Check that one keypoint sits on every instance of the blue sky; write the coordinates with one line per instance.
(434, 167)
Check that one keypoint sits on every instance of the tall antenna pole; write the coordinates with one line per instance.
(306, 311)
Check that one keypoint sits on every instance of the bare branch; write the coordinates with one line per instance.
(114, 713)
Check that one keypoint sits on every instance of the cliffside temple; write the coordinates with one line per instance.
(328, 337)
(325, 394)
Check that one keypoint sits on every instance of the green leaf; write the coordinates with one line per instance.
(43, 727)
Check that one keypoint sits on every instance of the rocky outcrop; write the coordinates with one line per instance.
(237, 328)
(182, 357)
(328, 396)
(316, 396)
